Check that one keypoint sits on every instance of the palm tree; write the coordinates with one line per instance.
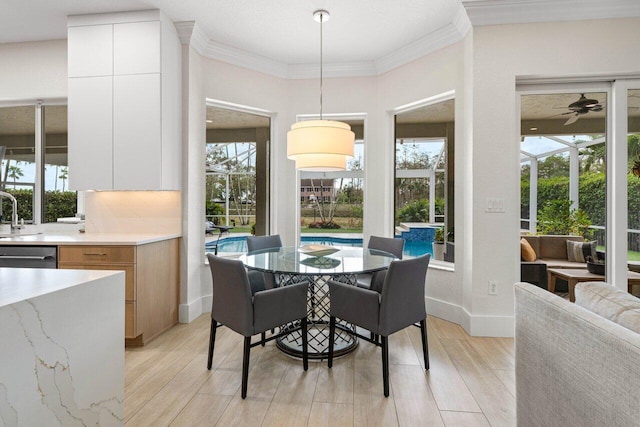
(64, 173)
(14, 173)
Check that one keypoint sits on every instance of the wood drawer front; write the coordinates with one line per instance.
(129, 276)
(130, 320)
(96, 254)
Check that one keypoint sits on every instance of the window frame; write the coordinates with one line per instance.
(39, 152)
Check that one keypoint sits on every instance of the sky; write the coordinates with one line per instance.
(29, 171)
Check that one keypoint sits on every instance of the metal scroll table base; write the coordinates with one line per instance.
(318, 319)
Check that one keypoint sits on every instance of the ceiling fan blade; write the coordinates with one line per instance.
(572, 119)
(559, 115)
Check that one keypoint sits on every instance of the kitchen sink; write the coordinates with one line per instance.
(14, 235)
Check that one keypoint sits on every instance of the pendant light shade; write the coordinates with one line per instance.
(320, 145)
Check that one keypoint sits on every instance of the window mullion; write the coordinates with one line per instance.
(38, 189)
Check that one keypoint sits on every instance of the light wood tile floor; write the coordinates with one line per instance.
(471, 382)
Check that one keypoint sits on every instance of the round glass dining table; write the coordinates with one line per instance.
(317, 266)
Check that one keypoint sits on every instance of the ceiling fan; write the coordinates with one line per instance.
(582, 106)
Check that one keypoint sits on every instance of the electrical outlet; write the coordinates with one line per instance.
(493, 287)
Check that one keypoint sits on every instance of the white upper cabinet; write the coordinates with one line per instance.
(125, 102)
(136, 48)
(136, 166)
(90, 51)
(90, 133)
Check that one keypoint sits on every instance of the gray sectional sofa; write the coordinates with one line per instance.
(576, 365)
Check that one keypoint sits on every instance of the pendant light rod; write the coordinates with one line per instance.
(321, 16)
(321, 66)
(320, 145)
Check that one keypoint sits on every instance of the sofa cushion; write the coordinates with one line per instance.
(611, 303)
(579, 251)
(562, 263)
(526, 251)
(534, 241)
(555, 246)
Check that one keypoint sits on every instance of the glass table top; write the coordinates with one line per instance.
(304, 260)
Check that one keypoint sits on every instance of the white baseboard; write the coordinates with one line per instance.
(481, 326)
(187, 313)
(443, 310)
(477, 326)
(488, 326)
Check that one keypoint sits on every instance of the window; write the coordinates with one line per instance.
(424, 190)
(563, 173)
(333, 200)
(633, 182)
(35, 168)
(237, 184)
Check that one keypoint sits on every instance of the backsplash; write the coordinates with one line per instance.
(133, 212)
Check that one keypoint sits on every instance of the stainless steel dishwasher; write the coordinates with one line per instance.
(23, 256)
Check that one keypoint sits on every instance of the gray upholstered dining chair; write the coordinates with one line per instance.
(256, 243)
(260, 243)
(400, 304)
(393, 246)
(238, 308)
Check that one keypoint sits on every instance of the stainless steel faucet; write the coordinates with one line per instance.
(14, 214)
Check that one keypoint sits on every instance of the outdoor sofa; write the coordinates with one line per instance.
(550, 252)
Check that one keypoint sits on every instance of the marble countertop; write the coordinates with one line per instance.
(19, 284)
(76, 238)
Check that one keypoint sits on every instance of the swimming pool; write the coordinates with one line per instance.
(239, 244)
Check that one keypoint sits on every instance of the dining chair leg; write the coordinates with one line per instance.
(385, 364)
(332, 333)
(212, 341)
(425, 344)
(263, 336)
(312, 292)
(245, 365)
(305, 344)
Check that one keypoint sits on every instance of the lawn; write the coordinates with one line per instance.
(631, 255)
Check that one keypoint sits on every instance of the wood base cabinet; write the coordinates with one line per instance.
(152, 277)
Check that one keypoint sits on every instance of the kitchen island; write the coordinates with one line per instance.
(151, 263)
(62, 358)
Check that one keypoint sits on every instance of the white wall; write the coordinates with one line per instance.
(192, 269)
(32, 71)
(373, 96)
(440, 72)
(500, 54)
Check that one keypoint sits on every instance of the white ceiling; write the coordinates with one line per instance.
(363, 37)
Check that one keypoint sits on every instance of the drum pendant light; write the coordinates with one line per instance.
(320, 145)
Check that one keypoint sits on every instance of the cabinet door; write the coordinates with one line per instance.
(90, 51)
(90, 133)
(136, 48)
(136, 132)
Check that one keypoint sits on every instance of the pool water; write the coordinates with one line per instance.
(239, 244)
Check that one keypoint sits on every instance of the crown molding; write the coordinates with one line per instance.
(493, 12)
(442, 37)
(332, 70)
(445, 36)
(190, 34)
(245, 59)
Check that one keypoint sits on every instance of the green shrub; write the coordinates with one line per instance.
(415, 211)
(213, 208)
(557, 217)
(330, 225)
(57, 204)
